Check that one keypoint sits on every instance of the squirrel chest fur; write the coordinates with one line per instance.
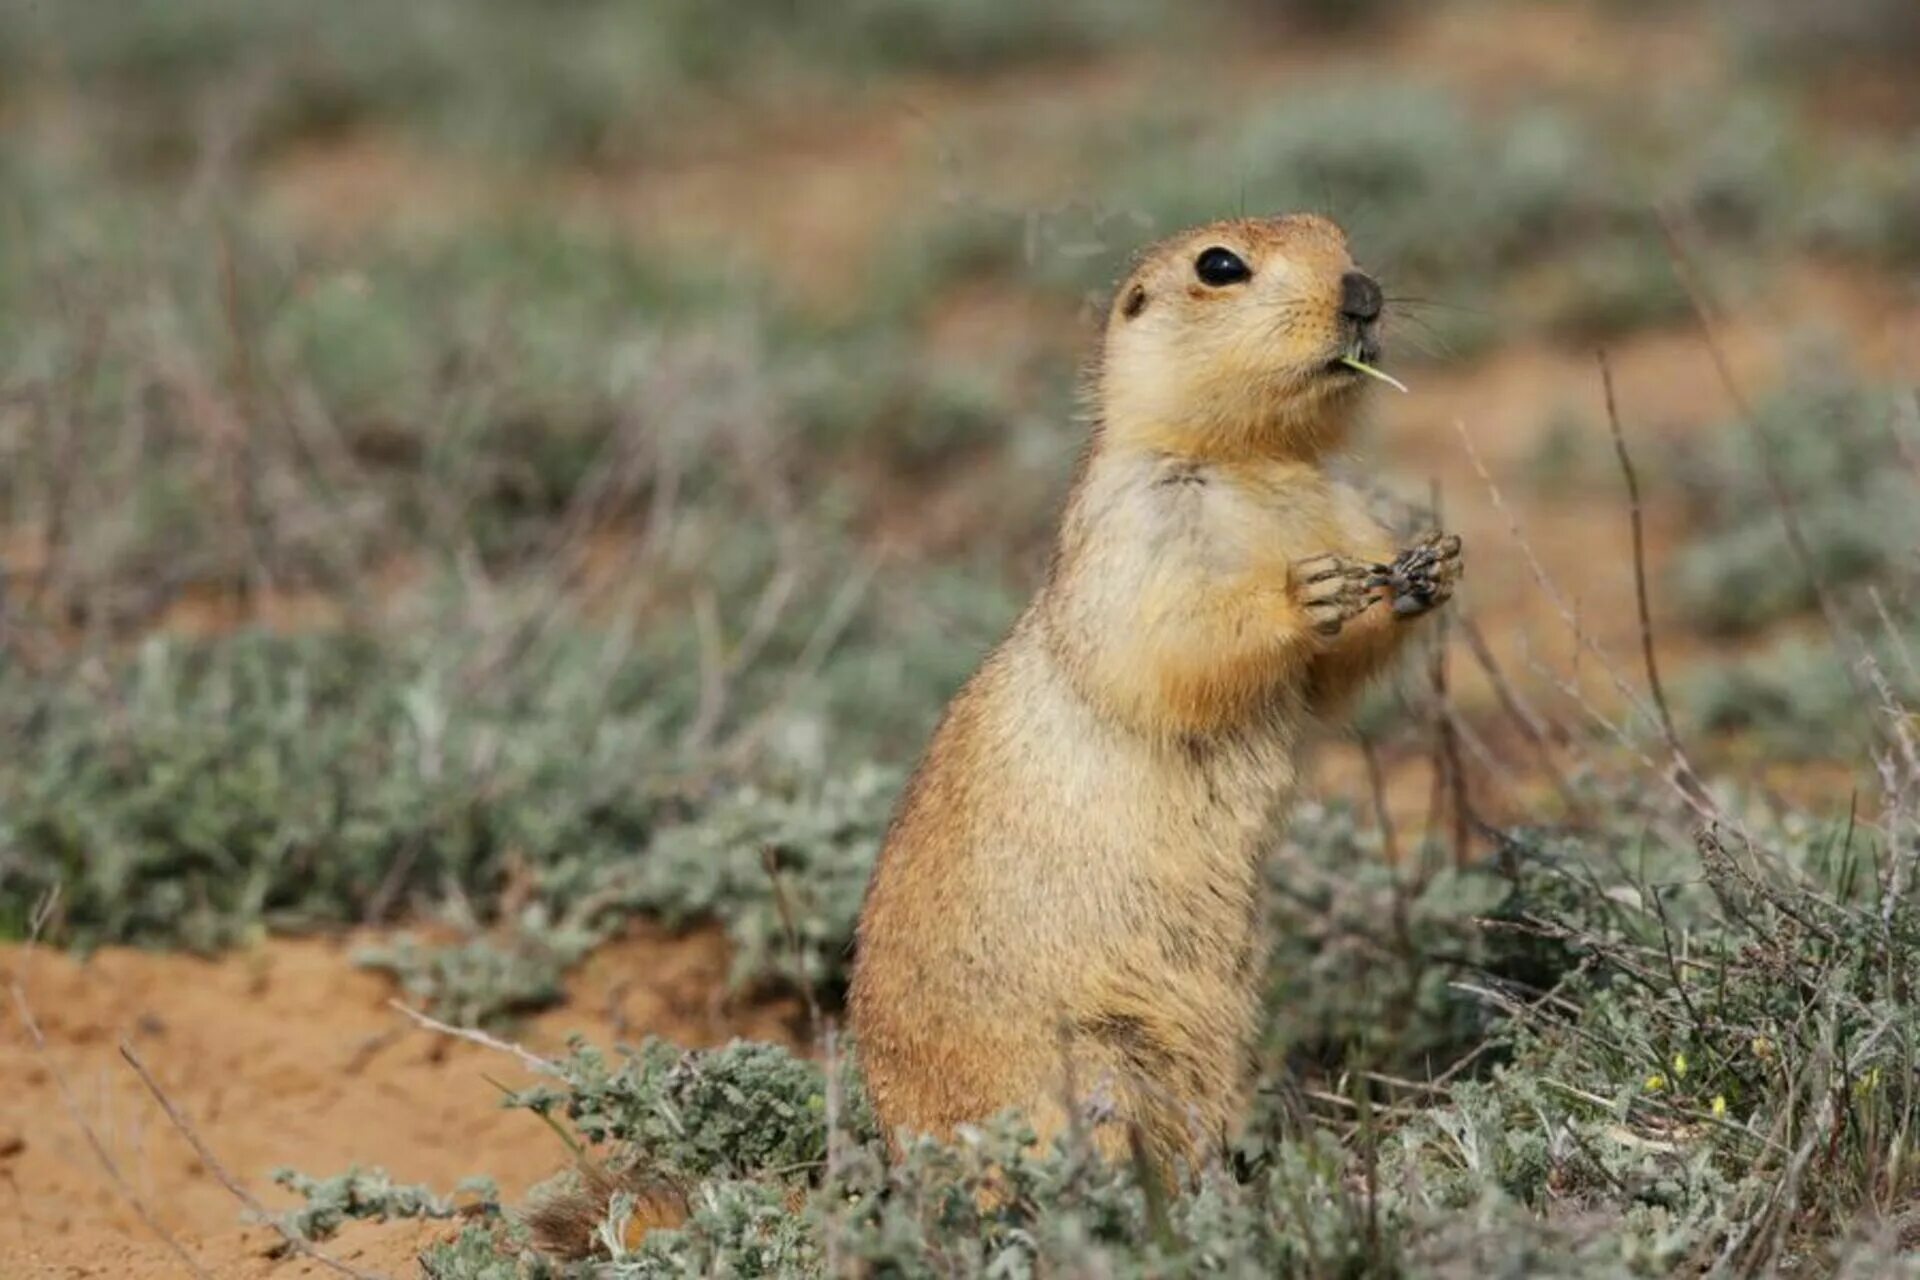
(1067, 907)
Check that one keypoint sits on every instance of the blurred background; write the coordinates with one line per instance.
(447, 447)
(719, 375)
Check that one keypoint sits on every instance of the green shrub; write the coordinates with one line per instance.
(1482, 226)
(207, 788)
(588, 80)
(1836, 37)
(1831, 440)
(370, 1193)
(1715, 1070)
(744, 1109)
(1796, 701)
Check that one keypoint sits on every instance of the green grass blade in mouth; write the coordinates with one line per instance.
(1361, 366)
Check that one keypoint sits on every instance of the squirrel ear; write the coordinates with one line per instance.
(1135, 302)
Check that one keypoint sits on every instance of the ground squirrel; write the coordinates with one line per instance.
(1072, 876)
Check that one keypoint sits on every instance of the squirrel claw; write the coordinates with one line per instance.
(1332, 590)
(1421, 577)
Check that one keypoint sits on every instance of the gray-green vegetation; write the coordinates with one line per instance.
(492, 582)
(1652, 1053)
(1839, 455)
(590, 81)
(1543, 220)
(1828, 40)
(1804, 516)
(328, 1203)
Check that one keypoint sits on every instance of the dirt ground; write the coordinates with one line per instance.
(285, 1054)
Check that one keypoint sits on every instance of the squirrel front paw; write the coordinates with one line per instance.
(1333, 589)
(1422, 576)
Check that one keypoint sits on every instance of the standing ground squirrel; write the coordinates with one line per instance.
(1070, 889)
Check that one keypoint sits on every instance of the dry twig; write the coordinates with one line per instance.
(1687, 776)
(1702, 805)
(72, 1105)
(473, 1035)
(294, 1240)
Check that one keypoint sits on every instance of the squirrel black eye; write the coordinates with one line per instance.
(1219, 267)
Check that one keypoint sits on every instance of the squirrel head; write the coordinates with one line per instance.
(1228, 340)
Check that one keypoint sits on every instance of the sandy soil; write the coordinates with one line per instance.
(285, 1054)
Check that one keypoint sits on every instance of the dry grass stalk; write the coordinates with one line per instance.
(294, 1241)
(1688, 778)
(71, 1104)
(473, 1035)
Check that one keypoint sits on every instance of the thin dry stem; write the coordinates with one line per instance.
(473, 1035)
(1449, 775)
(1687, 776)
(1903, 441)
(836, 618)
(789, 921)
(95, 1144)
(1531, 726)
(242, 458)
(294, 1241)
(1376, 782)
(1701, 804)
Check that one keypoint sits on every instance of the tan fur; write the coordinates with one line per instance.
(1070, 888)
(565, 1222)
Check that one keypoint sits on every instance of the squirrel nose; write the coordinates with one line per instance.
(1359, 297)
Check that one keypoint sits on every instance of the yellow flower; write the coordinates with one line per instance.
(1656, 1082)
(1679, 1066)
(1719, 1105)
(1762, 1048)
(1868, 1082)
